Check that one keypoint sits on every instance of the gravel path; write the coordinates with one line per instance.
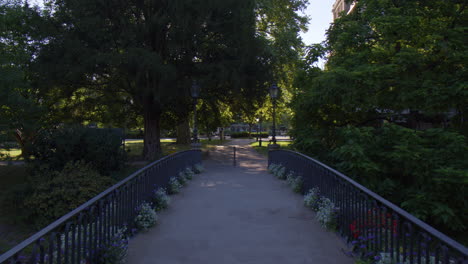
(237, 215)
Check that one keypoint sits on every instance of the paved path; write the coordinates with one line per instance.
(237, 215)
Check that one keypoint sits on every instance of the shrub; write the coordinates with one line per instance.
(297, 184)
(312, 198)
(116, 251)
(146, 217)
(198, 168)
(272, 168)
(189, 173)
(242, 134)
(61, 192)
(55, 147)
(182, 178)
(160, 199)
(174, 185)
(327, 213)
(281, 173)
(290, 179)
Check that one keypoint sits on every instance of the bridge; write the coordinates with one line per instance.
(236, 212)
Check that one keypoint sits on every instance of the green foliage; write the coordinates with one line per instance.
(198, 168)
(243, 134)
(394, 68)
(60, 192)
(160, 199)
(102, 148)
(146, 217)
(174, 185)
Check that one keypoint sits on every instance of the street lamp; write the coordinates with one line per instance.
(195, 92)
(274, 90)
(259, 131)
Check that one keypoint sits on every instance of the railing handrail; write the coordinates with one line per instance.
(60, 221)
(444, 238)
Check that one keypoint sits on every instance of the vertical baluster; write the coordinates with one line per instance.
(40, 245)
(67, 238)
(51, 247)
(419, 246)
(437, 255)
(79, 241)
(398, 237)
(385, 228)
(58, 240)
(410, 236)
(73, 249)
(35, 255)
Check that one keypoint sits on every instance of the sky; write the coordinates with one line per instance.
(320, 14)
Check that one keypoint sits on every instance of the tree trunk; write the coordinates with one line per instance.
(183, 132)
(152, 138)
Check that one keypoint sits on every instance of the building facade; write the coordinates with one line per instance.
(342, 6)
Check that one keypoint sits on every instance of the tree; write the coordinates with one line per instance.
(391, 63)
(150, 52)
(22, 112)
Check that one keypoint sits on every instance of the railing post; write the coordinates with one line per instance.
(234, 156)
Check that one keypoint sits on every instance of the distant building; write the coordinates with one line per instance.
(342, 6)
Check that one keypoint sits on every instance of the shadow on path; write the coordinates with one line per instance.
(237, 215)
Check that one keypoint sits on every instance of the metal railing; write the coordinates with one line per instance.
(78, 236)
(380, 227)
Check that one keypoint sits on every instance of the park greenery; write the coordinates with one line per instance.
(76, 76)
(390, 107)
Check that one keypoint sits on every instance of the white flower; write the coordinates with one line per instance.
(146, 217)
(312, 198)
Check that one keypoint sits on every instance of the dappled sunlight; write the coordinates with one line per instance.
(212, 184)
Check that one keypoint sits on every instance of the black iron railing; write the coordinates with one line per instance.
(78, 236)
(379, 227)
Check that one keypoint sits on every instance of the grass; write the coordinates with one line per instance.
(10, 154)
(264, 148)
(134, 148)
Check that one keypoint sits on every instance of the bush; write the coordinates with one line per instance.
(290, 179)
(297, 184)
(61, 192)
(174, 185)
(160, 199)
(146, 217)
(327, 213)
(281, 173)
(116, 251)
(262, 134)
(189, 173)
(198, 168)
(272, 168)
(102, 148)
(312, 198)
(134, 134)
(182, 178)
(243, 134)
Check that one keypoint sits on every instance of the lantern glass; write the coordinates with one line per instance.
(195, 90)
(274, 91)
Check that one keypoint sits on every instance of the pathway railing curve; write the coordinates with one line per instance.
(379, 227)
(78, 236)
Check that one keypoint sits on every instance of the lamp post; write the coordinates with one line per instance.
(274, 90)
(195, 92)
(259, 131)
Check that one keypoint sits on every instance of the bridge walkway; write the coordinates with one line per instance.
(239, 215)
